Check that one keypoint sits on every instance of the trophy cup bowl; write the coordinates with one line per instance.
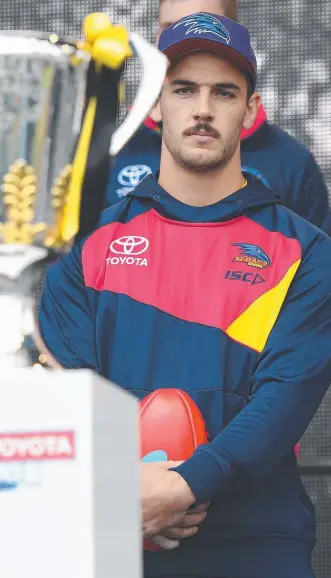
(42, 87)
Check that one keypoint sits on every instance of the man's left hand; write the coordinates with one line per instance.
(165, 497)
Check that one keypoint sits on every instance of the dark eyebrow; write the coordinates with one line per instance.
(218, 85)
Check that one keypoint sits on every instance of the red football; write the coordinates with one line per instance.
(170, 422)
(171, 428)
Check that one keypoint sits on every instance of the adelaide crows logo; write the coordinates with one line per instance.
(204, 22)
(252, 255)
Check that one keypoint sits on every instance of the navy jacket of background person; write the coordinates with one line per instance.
(248, 340)
(269, 153)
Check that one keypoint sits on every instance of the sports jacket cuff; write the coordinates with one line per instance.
(205, 474)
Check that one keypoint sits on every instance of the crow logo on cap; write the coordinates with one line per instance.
(203, 22)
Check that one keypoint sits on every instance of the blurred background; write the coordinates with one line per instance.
(292, 39)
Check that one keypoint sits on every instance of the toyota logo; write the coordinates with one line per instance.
(133, 175)
(129, 245)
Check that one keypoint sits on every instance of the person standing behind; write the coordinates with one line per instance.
(267, 152)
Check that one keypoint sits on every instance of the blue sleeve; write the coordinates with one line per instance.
(292, 376)
(65, 321)
(312, 197)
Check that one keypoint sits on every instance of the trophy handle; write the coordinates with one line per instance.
(155, 66)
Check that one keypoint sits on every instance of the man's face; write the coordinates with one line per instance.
(203, 107)
(173, 10)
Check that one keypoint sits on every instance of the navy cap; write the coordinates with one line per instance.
(205, 31)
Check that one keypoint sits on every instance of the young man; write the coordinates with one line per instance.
(202, 279)
(269, 153)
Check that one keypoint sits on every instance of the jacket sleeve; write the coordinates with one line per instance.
(65, 322)
(292, 375)
(312, 196)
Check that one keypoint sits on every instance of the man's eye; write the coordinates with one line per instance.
(224, 94)
(185, 90)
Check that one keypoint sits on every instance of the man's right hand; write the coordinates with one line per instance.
(188, 525)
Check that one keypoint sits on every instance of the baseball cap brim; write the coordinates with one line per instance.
(183, 47)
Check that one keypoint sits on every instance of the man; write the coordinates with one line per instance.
(203, 280)
(269, 153)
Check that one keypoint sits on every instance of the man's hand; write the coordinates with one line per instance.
(188, 525)
(165, 497)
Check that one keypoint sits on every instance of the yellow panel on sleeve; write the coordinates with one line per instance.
(254, 325)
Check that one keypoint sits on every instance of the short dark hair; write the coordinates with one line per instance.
(250, 89)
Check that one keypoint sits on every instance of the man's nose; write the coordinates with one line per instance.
(203, 109)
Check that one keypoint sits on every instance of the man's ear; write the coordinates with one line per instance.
(252, 110)
(155, 113)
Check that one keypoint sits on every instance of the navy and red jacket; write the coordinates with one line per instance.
(231, 303)
(267, 152)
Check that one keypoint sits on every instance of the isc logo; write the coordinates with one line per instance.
(251, 278)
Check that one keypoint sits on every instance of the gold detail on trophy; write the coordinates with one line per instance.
(59, 194)
(19, 195)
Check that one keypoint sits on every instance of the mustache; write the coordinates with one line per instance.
(202, 126)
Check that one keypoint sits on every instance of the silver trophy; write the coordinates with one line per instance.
(42, 86)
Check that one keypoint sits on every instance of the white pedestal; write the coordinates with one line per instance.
(69, 478)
